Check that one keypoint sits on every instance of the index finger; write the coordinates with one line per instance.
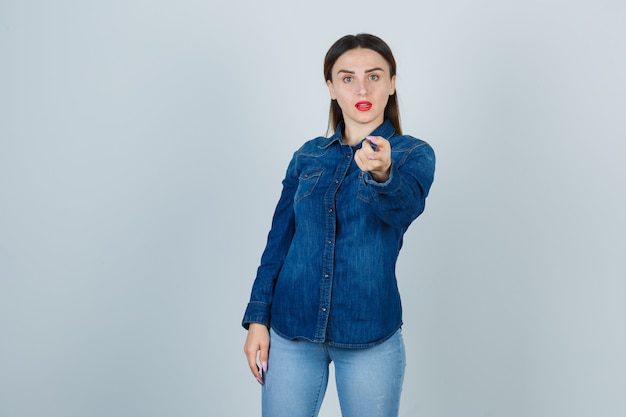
(378, 141)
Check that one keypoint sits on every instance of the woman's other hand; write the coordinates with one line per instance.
(257, 344)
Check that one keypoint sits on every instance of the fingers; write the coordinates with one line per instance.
(376, 161)
(382, 144)
(264, 350)
(257, 344)
(251, 354)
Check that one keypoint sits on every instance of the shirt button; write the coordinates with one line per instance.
(330, 210)
(348, 156)
(336, 181)
(326, 275)
(324, 309)
(329, 241)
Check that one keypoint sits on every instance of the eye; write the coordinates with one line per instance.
(347, 79)
(373, 77)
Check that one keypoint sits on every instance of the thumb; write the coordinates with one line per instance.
(263, 355)
(366, 145)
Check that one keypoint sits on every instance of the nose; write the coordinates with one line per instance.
(360, 87)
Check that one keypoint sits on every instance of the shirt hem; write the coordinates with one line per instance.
(330, 343)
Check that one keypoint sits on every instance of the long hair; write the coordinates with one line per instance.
(347, 43)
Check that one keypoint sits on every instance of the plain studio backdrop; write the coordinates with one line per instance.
(142, 145)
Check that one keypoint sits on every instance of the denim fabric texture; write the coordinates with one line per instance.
(327, 273)
(368, 381)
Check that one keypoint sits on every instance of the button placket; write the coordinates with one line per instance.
(328, 266)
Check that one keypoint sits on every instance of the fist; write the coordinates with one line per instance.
(375, 161)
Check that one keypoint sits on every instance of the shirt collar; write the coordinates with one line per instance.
(385, 130)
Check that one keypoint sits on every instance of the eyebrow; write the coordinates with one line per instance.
(366, 71)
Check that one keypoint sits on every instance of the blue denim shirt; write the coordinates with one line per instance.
(327, 273)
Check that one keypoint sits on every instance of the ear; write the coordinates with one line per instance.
(392, 88)
(331, 89)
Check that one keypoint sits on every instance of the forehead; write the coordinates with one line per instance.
(360, 59)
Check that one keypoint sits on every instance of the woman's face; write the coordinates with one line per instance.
(361, 83)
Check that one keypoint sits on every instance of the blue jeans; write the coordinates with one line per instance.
(369, 380)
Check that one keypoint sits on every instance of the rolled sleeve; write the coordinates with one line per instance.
(256, 312)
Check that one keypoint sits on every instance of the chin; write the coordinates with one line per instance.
(367, 119)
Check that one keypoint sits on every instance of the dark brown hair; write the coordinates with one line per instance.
(347, 43)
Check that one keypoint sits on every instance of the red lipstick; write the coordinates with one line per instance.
(363, 105)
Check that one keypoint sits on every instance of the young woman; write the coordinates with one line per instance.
(326, 289)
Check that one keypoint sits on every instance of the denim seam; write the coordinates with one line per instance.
(318, 400)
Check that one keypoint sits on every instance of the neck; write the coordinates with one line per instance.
(354, 134)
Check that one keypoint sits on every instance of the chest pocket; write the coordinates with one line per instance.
(306, 183)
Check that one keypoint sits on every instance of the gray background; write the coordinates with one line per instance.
(142, 144)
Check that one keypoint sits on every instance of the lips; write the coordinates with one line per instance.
(363, 105)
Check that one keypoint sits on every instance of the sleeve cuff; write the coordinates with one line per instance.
(256, 312)
(388, 186)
